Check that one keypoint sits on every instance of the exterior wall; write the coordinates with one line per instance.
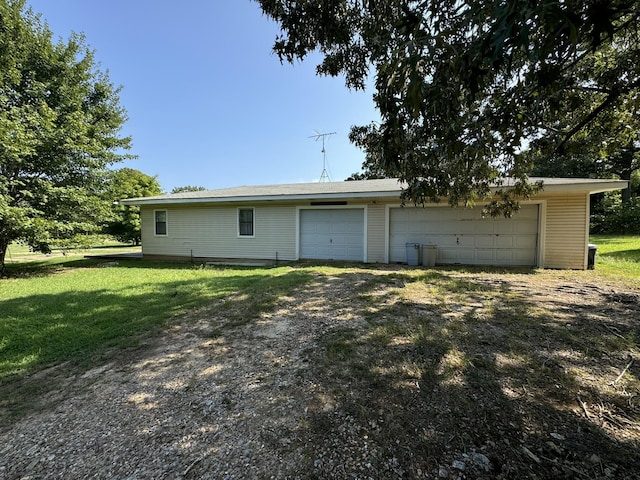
(376, 233)
(566, 231)
(563, 230)
(212, 232)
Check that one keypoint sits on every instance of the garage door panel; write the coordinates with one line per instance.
(463, 236)
(504, 241)
(504, 256)
(465, 241)
(447, 255)
(527, 229)
(482, 227)
(466, 255)
(484, 241)
(444, 241)
(485, 256)
(354, 229)
(503, 227)
(338, 228)
(524, 257)
(398, 253)
(526, 242)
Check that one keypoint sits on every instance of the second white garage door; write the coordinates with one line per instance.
(463, 236)
(332, 234)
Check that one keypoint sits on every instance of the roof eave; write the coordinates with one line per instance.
(587, 187)
(261, 198)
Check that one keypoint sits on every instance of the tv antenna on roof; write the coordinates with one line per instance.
(325, 175)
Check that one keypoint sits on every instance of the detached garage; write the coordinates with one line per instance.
(364, 221)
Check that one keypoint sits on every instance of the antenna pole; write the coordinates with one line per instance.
(325, 176)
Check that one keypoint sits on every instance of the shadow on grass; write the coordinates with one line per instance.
(628, 255)
(446, 368)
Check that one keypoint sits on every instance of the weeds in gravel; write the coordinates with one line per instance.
(446, 365)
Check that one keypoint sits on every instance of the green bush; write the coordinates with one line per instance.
(614, 217)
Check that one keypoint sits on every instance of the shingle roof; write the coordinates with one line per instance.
(330, 190)
(292, 191)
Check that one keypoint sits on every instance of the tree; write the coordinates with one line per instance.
(608, 146)
(128, 183)
(59, 130)
(463, 87)
(373, 165)
(188, 188)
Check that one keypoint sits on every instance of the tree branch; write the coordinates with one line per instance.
(612, 97)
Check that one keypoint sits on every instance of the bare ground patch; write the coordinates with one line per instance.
(361, 373)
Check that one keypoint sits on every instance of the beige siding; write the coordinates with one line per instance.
(566, 231)
(375, 233)
(212, 232)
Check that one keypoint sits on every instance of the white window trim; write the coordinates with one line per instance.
(166, 222)
(238, 222)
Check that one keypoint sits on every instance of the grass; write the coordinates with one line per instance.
(617, 256)
(75, 310)
(19, 253)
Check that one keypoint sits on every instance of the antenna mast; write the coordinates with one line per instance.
(325, 175)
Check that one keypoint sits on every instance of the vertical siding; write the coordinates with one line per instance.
(566, 231)
(375, 233)
(211, 231)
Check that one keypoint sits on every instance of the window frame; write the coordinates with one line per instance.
(253, 222)
(166, 222)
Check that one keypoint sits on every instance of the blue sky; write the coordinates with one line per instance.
(208, 102)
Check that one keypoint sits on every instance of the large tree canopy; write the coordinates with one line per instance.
(464, 88)
(59, 131)
(125, 220)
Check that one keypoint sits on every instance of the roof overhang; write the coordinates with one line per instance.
(261, 198)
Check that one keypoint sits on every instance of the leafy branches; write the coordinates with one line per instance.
(464, 88)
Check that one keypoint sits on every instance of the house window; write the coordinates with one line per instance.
(161, 222)
(245, 222)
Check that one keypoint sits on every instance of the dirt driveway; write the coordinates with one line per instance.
(364, 373)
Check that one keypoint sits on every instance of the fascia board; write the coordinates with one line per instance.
(590, 187)
(263, 198)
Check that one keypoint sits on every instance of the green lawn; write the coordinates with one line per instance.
(95, 245)
(70, 309)
(618, 256)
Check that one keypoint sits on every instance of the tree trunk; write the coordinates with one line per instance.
(4, 244)
(626, 169)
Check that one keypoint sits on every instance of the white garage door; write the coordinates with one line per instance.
(463, 236)
(332, 234)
